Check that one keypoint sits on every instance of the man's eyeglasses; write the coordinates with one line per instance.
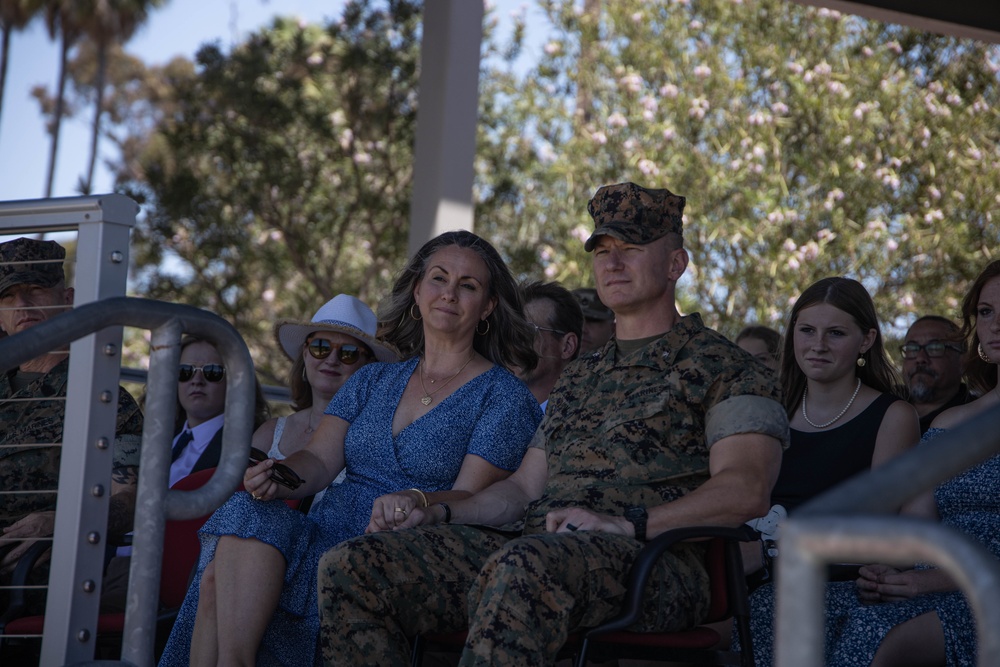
(538, 328)
(211, 372)
(280, 473)
(934, 349)
(320, 348)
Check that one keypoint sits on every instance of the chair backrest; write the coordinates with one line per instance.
(181, 546)
(719, 607)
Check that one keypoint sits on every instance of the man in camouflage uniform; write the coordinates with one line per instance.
(668, 425)
(32, 408)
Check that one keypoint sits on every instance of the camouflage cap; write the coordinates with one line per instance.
(591, 304)
(634, 214)
(26, 261)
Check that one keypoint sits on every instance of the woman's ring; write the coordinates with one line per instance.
(254, 496)
(570, 526)
(400, 509)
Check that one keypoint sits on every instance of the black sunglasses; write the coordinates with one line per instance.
(211, 372)
(934, 349)
(320, 348)
(280, 473)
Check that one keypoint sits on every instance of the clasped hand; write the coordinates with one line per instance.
(884, 583)
(397, 510)
(35, 525)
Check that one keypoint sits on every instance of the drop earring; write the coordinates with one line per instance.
(982, 355)
(861, 362)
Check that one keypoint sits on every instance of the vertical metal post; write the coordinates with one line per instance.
(80, 535)
(445, 146)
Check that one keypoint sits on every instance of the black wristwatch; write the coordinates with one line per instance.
(637, 516)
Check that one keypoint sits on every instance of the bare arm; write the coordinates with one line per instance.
(501, 502)
(899, 432)
(476, 474)
(121, 511)
(743, 469)
(318, 463)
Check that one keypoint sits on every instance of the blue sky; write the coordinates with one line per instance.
(178, 28)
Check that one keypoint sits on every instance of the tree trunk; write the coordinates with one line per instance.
(87, 185)
(4, 55)
(57, 116)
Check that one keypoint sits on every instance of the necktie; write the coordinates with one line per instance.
(182, 443)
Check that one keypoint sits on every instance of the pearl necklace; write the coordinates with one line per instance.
(842, 412)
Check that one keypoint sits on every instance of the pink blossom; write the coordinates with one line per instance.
(695, 25)
(637, 17)
(315, 59)
(617, 119)
(776, 217)
(599, 138)
(894, 47)
(630, 144)
(551, 271)
(580, 233)
(823, 68)
(649, 103)
(953, 99)
(934, 193)
(891, 245)
(631, 83)
(703, 71)
(935, 87)
(669, 133)
(648, 167)
(794, 67)
(837, 88)
(546, 253)
(669, 90)
(810, 251)
(779, 108)
(859, 164)
(793, 263)
(867, 51)
(974, 153)
(553, 48)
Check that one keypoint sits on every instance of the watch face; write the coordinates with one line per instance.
(635, 513)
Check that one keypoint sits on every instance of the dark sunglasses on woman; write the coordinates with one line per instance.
(320, 348)
(211, 372)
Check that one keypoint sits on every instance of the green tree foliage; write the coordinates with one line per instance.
(808, 143)
(281, 176)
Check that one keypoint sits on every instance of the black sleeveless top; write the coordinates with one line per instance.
(815, 462)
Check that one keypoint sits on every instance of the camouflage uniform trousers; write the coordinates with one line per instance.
(519, 598)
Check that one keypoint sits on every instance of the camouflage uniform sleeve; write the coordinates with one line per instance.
(128, 431)
(746, 414)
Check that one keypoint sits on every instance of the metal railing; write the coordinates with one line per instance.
(93, 331)
(843, 525)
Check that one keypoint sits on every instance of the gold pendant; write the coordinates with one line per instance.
(426, 400)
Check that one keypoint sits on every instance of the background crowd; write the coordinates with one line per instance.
(429, 416)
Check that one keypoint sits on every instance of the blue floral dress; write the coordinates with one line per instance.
(492, 416)
(968, 502)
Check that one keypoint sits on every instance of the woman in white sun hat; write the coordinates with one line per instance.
(444, 423)
(325, 352)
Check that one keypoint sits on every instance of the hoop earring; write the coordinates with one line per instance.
(483, 333)
(418, 312)
(982, 355)
(861, 361)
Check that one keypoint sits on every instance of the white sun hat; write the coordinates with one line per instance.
(344, 314)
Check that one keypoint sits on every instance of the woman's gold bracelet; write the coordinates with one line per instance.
(423, 497)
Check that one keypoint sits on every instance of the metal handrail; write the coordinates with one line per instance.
(837, 526)
(155, 502)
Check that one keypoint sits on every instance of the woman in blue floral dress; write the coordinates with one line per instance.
(447, 422)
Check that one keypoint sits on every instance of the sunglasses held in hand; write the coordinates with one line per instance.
(280, 473)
